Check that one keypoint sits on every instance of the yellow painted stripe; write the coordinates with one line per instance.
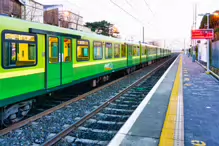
(80, 64)
(152, 55)
(167, 135)
(136, 57)
(21, 73)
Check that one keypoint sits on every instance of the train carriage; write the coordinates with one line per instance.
(36, 59)
(152, 53)
(97, 56)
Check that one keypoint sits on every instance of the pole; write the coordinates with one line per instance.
(164, 43)
(184, 45)
(208, 62)
(143, 35)
(193, 27)
(195, 14)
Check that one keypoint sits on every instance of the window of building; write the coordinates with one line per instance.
(98, 50)
(123, 51)
(83, 50)
(53, 50)
(19, 49)
(67, 50)
(117, 51)
(108, 50)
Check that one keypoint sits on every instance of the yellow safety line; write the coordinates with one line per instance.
(167, 135)
(21, 73)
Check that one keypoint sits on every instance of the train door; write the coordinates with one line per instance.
(66, 65)
(129, 55)
(53, 62)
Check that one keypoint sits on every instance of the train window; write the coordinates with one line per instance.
(108, 50)
(83, 50)
(67, 50)
(19, 49)
(53, 50)
(98, 50)
(136, 51)
(123, 51)
(152, 51)
(117, 51)
(143, 51)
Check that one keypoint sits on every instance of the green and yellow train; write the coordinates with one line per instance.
(37, 59)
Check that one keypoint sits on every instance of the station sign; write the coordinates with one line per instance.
(203, 34)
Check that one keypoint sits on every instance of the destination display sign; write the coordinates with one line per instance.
(203, 34)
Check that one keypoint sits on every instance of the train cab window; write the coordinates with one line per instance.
(123, 51)
(83, 50)
(53, 50)
(117, 51)
(98, 50)
(67, 50)
(108, 51)
(19, 49)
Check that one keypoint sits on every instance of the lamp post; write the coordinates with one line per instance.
(208, 58)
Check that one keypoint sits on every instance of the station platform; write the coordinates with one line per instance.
(181, 109)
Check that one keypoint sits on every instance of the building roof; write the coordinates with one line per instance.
(50, 7)
(37, 2)
(22, 1)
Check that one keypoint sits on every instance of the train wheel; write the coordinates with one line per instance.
(128, 71)
(15, 112)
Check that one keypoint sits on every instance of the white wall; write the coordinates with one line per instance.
(202, 51)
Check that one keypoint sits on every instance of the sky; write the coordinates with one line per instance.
(168, 21)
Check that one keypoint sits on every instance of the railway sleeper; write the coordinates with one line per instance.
(112, 118)
(122, 107)
(94, 134)
(81, 141)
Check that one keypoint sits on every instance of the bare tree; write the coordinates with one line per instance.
(77, 18)
(31, 12)
(69, 20)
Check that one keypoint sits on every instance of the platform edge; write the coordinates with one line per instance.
(118, 138)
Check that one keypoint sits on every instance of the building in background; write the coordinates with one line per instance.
(32, 11)
(58, 15)
(159, 43)
(11, 8)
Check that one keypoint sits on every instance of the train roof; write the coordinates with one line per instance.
(24, 25)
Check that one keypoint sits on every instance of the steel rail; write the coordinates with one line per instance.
(62, 105)
(74, 126)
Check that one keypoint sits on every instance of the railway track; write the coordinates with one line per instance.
(35, 120)
(100, 126)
